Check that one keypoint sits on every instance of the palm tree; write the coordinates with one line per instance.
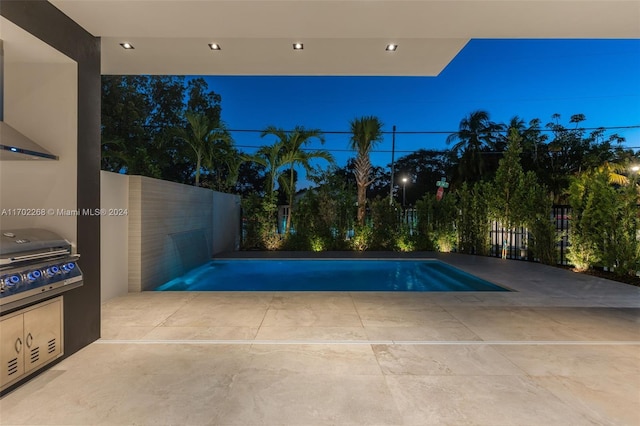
(475, 134)
(268, 156)
(222, 159)
(201, 135)
(366, 133)
(292, 154)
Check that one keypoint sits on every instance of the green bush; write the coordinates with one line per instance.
(405, 241)
(260, 218)
(362, 237)
(473, 220)
(604, 225)
(436, 228)
(385, 224)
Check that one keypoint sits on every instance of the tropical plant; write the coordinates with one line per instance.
(508, 190)
(532, 142)
(260, 222)
(139, 118)
(540, 224)
(385, 224)
(605, 223)
(222, 161)
(366, 132)
(203, 136)
(572, 151)
(405, 242)
(269, 157)
(476, 134)
(473, 219)
(324, 214)
(437, 222)
(362, 236)
(292, 154)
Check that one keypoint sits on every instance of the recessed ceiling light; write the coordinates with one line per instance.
(391, 47)
(298, 46)
(127, 45)
(214, 46)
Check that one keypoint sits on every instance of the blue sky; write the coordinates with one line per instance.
(528, 78)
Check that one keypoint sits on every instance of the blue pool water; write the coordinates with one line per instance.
(328, 275)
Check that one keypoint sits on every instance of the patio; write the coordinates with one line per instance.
(560, 350)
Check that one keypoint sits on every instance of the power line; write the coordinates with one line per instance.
(415, 132)
(440, 132)
(434, 151)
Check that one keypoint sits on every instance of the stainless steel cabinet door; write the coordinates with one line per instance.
(42, 334)
(11, 349)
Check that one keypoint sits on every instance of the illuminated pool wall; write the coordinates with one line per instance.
(169, 228)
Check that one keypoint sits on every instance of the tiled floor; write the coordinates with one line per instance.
(563, 349)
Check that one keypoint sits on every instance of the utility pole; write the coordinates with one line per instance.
(393, 151)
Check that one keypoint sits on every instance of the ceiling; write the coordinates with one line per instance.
(346, 37)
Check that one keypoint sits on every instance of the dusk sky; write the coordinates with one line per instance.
(528, 78)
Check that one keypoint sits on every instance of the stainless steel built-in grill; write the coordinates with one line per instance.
(35, 264)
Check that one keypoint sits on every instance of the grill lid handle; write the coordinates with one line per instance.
(34, 256)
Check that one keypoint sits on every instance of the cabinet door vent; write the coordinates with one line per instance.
(35, 354)
(12, 367)
(51, 348)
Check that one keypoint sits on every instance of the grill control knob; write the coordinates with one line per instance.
(11, 280)
(53, 270)
(34, 275)
(68, 267)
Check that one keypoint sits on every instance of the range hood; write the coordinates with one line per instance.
(13, 144)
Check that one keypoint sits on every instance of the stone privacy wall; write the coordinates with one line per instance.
(226, 210)
(114, 232)
(171, 228)
(158, 210)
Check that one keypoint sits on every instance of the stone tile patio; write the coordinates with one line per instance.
(562, 349)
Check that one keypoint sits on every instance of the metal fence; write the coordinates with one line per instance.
(561, 216)
(507, 243)
(515, 243)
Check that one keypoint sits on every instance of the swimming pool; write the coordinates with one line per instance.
(328, 275)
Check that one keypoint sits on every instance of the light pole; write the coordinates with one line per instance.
(404, 191)
(393, 151)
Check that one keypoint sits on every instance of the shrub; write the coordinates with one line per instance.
(473, 221)
(385, 224)
(405, 242)
(361, 238)
(436, 223)
(259, 216)
(605, 223)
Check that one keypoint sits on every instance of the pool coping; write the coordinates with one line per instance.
(529, 283)
(308, 256)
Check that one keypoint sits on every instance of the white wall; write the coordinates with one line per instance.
(114, 235)
(41, 102)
